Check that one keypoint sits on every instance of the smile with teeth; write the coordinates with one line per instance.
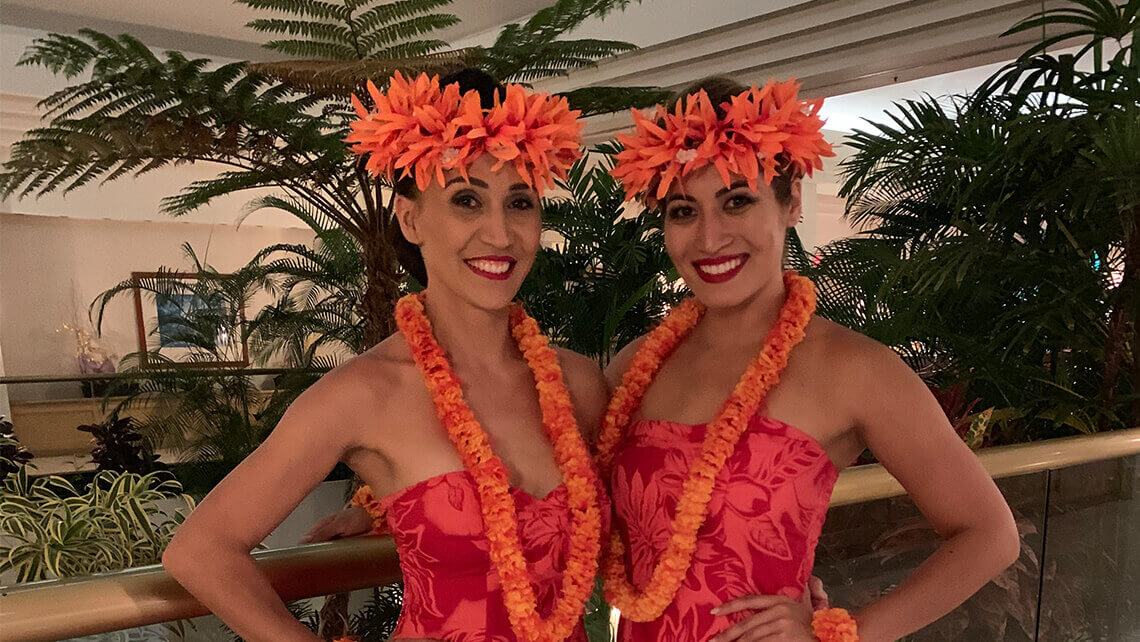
(491, 267)
(721, 268)
(494, 267)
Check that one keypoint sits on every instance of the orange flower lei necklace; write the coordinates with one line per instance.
(720, 441)
(492, 479)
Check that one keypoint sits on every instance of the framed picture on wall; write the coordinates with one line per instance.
(188, 320)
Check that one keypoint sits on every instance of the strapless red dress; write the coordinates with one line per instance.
(764, 519)
(451, 589)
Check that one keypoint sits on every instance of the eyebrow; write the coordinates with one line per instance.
(480, 183)
(725, 190)
(459, 179)
(677, 197)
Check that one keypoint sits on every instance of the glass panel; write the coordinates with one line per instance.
(867, 549)
(1091, 590)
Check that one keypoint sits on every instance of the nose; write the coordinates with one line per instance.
(711, 233)
(494, 231)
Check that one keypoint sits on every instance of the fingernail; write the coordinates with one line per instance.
(715, 611)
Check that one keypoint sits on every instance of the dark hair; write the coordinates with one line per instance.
(407, 253)
(721, 89)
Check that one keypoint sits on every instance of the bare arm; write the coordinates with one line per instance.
(209, 554)
(902, 423)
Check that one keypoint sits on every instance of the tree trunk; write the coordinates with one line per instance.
(1132, 275)
(382, 279)
(1119, 320)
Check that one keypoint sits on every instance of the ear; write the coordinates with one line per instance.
(407, 217)
(795, 208)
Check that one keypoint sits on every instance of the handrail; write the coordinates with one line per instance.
(866, 483)
(56, 609)
(153, 373)
(79, 606)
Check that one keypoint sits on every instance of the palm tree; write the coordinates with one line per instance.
(213, 418)
(279, 125)
(318, 290)
(607, 277)
(1002, 228)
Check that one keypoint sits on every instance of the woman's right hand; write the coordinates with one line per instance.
(353, 520)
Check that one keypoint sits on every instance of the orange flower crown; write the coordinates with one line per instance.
(762, 129)
(423, 130)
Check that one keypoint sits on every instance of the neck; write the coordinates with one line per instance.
(743, 325)
(471, 336)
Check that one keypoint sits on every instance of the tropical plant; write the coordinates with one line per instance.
(279, 125)
(52, 529)
(210, 417)
(998, 228)
(606, 277)
(376, 620)
(13, 455)
(120, 447)
(318, 289)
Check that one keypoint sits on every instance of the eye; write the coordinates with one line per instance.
(466, 200)
(522, 203)
(740, 201)
(680, 213)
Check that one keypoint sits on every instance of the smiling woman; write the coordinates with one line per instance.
(731, 420)
(416, 415)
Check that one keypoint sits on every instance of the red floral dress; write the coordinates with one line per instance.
(764, 519)
(451, 589)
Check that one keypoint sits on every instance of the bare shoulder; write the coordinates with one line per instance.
(578, 368)
(850, 354)
(588, 390)
(365, 385)
(868, 381)
(620, 363)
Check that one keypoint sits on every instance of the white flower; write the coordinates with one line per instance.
(686, 156)
(449, 155)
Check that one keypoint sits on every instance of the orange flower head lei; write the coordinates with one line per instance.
(419, 129)
(762, 129)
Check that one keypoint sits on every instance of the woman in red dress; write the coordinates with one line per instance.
(465, 421)
(731, 421)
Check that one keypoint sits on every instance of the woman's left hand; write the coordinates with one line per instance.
(776, 619)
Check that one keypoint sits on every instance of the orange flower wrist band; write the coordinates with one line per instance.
(366, 500)
(834, 625)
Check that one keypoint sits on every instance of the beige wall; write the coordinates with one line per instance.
(51, 268)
